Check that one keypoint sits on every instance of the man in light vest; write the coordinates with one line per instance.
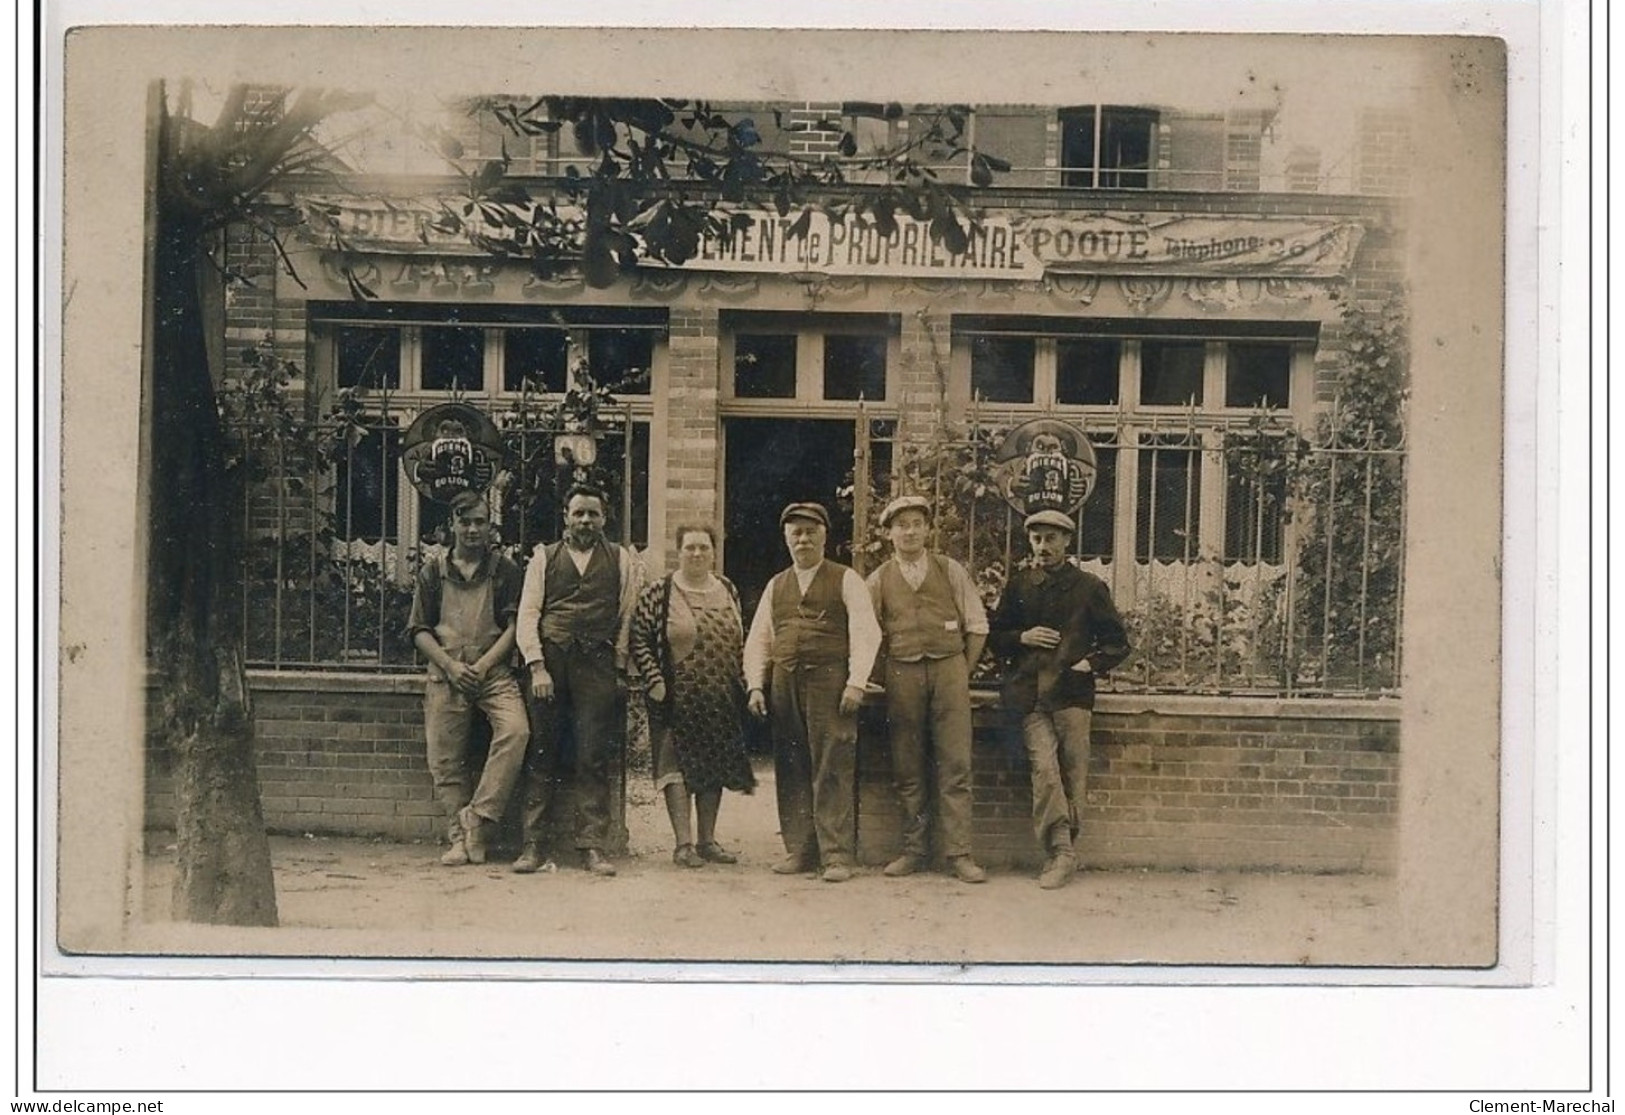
(811, 646)
(935, 628)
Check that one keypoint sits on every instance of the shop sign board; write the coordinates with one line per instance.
(1012, 246)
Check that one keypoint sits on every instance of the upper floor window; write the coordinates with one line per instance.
(1107, 147)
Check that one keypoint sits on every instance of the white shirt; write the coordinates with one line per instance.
(862, 630)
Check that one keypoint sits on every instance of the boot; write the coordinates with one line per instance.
(530, 860)
(473, 834)
(906, 864)
(456, 854)
(1058, 871)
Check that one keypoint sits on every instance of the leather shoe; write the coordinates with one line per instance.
(596, 863)
(966, 870)
(1058, 871)
(686, 856)
(473, 833)
(529, 862)
(793, 865)
(712, 852)
(456, 855)
(905, 864)
(835, 873)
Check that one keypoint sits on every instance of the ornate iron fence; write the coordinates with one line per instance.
(334, 535)
(1247, 557)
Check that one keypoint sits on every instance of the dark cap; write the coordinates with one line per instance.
(813, 511)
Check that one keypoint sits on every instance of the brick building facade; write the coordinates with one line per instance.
(1141, 273)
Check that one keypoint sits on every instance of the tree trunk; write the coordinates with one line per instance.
(194, 602)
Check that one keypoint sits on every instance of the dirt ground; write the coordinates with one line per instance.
(350, 897)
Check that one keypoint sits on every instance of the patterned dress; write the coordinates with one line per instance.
(694, 640)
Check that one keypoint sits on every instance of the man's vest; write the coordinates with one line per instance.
(810, 629)
(582, 607)
(923, 622)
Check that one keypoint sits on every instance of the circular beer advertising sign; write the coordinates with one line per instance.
(450, 449)
(1045, 465)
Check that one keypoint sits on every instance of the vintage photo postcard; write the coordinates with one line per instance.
(913, 504)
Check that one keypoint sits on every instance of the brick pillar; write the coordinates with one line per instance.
(1303, 170)
(923, 375)
(693, 457)
(1382, 152)
(815, 142)
(1243, 149)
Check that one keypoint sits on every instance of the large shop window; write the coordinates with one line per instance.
(516, 362)
(1179, 419)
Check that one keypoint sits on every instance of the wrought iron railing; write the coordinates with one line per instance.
(1246, 557)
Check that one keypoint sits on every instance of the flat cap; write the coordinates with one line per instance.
(1050, 519)
(905, 503)
(813, 511)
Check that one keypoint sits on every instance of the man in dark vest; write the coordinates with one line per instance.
(935, 629)
(575, 616)
(1056, 629)
(811, 646)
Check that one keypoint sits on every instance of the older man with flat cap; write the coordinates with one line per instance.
(935, 628)
(811, 646)
(1056, 629)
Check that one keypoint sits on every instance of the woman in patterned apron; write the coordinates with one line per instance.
(687, 639)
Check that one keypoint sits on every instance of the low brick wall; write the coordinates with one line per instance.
(1186, 782)
(1175, 782)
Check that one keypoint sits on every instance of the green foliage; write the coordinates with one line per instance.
(668, 174)
(536, 482)
(1351, 553)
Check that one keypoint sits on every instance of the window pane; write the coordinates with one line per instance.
(1001, 369)
(1125, 147)
(1257, 375)
(1087, 371)
(854, 366)
(1098, 521)
(1171, 372)
(368, 482)
(622, 359)
(1255, 504)
(1078, 146)
(1195, 153)
(1018, 137)
(765, 366)
(1168, 503)
(368, 356)
(453, 358)
(543, 355)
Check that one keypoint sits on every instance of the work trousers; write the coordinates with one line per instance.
(815, 758)
(448, 721)
(928, 704)
(588, 705)
(1058, 751)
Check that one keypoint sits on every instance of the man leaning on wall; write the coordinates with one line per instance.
(463, 621)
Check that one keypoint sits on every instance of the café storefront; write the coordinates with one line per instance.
(809, 358)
